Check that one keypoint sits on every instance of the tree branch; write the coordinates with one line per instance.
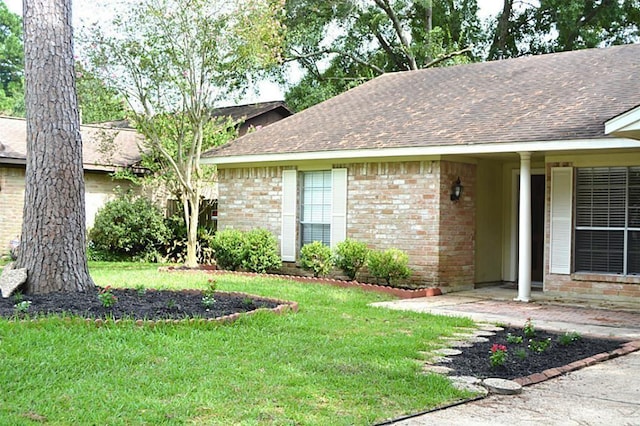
(397, 26)
(447, 56)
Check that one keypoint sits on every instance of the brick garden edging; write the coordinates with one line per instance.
(399, 292)
(624, 349)
(282, 308)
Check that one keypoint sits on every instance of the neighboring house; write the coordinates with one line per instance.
(105, 150)
(254, 116)
(546, 150)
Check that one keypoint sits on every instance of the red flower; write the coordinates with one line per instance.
(496, 347)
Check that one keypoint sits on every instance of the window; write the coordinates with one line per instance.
(315, 205)
(314, 211)
(607, 237)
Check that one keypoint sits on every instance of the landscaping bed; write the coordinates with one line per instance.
(141, 304)
(531, 355)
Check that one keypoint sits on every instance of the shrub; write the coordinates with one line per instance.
(128, 228)
(228, 248)
(350, 256)
(260, 251)
(316, 257)
(176, 249)
(389, 265)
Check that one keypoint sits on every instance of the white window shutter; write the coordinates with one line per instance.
(338, 206)
(561, 214)
(289, 225)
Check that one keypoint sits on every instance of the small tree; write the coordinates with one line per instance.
(173, 60)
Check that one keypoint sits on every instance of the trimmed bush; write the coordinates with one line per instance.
(128, 228)
(350, 256)
(176, 250)
(228, 248)
(389, 265)
(261, 251)
(316, 257)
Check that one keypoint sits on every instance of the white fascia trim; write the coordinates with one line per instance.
(470, 149)
(630, 120)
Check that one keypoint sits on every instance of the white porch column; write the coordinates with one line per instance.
(524, 233)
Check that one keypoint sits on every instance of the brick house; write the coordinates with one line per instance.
(546, 150)
(104, 151)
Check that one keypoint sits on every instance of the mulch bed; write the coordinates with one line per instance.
(474, 361)
(138, 305)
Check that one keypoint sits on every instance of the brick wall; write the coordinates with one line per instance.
(456, 268)
(11, 203)
(99, 188)
(250, 198)
(392, 204)
(396, 205)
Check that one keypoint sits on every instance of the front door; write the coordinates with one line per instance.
(537, 227)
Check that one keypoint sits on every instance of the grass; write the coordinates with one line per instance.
(337, 361)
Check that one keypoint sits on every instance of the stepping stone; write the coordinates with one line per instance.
(447, 352)
(470, 387)
(440, 360)
(490, 327)
(502, 386)
(478, 339)
(460, 344)
(466, 379)
(484, 333)
(11, 279)
(438, 369)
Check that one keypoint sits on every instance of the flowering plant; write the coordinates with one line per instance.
(107, 297)
(498, 355)
(528, 329)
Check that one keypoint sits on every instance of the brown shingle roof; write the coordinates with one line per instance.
(550, 97)
(247, 112)
(100, 150)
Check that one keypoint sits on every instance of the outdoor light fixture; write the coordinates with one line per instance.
(456, 190)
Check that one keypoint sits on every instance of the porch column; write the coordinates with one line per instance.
(524, 233)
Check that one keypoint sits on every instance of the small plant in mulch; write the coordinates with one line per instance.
(497, 355)
(208, 295)
(529, 330)
(106, 297)
(22, 307)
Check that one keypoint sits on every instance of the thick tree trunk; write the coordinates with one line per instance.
(53, 232)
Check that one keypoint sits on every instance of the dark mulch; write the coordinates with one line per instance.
(474, 361)
(133, 304)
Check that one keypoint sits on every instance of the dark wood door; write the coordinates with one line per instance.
(537, 227)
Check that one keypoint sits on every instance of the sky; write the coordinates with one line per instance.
(267, 91)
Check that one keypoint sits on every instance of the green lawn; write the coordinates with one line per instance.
(336, 361)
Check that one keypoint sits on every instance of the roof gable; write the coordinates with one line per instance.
(554, 97)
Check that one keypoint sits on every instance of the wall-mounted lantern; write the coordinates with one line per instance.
(456, 190)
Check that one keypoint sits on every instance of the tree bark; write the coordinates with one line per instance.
(499, 44)
(53, 231)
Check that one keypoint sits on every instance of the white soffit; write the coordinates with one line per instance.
(625, 125)
(467, 149)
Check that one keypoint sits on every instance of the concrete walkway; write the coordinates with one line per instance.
(606, 393)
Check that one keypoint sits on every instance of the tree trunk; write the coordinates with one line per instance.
(192, 230)
(498, 49)
(53, 231)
